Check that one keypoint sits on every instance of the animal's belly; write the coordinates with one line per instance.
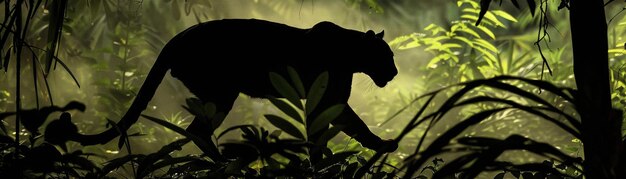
(257, 87)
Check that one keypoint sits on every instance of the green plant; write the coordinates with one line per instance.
(462, 51)
(480, 153)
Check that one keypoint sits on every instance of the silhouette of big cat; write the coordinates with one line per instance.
(219, 59)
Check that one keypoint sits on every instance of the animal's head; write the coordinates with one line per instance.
(356, 51)
(376, 58)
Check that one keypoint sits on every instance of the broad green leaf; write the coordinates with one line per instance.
(316, 92)
(504, 15)
(285, 125)
(287, 109)
(487, 31)
(287, 91)
(322, 121)
(295, 79)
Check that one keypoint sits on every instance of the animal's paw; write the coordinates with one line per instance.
(386, 146)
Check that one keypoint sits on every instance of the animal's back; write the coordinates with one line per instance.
(237, 41)
(235, 53)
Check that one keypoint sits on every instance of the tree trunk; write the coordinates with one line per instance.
(601, 138)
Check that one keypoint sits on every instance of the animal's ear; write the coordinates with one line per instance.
(369, 33)
(381, 34)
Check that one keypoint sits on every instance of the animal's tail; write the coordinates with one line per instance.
(145, 94)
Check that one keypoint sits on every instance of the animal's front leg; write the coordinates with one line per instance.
(356, 128)
(337, 92)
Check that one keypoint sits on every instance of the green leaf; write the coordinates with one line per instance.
(617, 50)
(467, 41)
(471, 10)
(287, 91)
(470, 31)
(504, 15)
(430, 26)
(451, 45)
(436, 60)
(487, 31)
(435, 29)
(493, 19)
(486, 45)
(489, 57)
(285, 125)
(322, 121)
(295, 79)
(67, 69)
(287, 109)
(473, 3)
(410, 45)
(399, 40)
(316, 92)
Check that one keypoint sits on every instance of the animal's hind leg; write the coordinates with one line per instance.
(204, 128)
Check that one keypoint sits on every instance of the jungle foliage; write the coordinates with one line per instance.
(497, 78)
